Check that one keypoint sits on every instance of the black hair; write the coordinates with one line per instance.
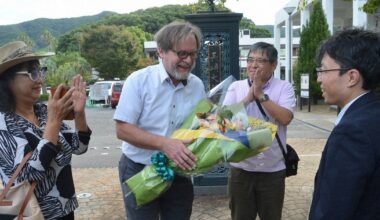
(7, 98)
(269, 49)
(355, 49)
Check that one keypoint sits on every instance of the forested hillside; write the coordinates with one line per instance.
(149, 20)
(56, 27)
(87, 43)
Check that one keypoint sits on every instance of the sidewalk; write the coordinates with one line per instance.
(105, 198)
(321, 116)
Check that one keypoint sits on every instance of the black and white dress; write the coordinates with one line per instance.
(49, 165)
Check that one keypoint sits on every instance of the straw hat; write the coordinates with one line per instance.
(17, 52)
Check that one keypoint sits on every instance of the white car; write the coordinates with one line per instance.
(101, 92)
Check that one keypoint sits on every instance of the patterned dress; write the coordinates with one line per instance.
(49, 165)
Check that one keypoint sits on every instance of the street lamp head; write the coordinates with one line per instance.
(289, 9)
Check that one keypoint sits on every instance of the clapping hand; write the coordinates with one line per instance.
(258, 83)
(60, 103)
(256, 90)
(79, 94)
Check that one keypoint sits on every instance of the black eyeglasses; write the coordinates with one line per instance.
(320, 70)
(35, 73)
(184, 54)
(259, 61)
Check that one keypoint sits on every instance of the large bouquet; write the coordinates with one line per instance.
(220, 134)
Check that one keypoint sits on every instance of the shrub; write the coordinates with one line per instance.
(44, 97)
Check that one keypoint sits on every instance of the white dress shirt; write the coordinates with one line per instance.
(150, 101)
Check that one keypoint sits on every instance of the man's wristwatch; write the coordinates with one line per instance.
(263, 98)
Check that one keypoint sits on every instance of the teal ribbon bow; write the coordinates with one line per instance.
(160, 161)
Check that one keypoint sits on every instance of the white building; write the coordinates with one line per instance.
(340, 14)
(245, 41)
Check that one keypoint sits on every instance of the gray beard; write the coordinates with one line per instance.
(179, 76)
(176, 75)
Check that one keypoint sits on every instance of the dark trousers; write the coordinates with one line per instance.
(256, 193)
(174, 204)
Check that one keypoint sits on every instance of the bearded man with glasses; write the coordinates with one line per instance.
(348, 179)
(154, 102)
(28, 126)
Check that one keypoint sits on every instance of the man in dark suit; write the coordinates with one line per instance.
(347, 184)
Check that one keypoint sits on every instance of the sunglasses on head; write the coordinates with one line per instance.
(35, 73)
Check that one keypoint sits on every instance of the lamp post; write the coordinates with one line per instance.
(289, 10)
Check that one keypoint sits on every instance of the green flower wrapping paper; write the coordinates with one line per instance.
(220, 134)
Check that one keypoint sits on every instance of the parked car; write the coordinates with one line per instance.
(115, 93)
(101, 92)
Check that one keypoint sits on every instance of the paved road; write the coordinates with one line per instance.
(104, 150)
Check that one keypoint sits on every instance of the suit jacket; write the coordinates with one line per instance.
(347, 184)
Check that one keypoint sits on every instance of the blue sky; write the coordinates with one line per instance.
(16, 11)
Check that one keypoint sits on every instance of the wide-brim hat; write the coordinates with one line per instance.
(17, 52)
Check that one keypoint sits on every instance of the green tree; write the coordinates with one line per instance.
(312, 35)
(202, 5)
(246, 23)
(25, 37)
(112, 50)
(70, 42)
(370, 6)
(152, 19)
(141, 35)
(49, 39)
(144, 62)
(62, 67)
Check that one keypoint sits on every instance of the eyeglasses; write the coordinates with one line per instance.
(184, 54)
(259, 61)
(35, 74)
(320, 70)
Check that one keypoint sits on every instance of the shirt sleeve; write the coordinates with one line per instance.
(287, 97)
(130, 103)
